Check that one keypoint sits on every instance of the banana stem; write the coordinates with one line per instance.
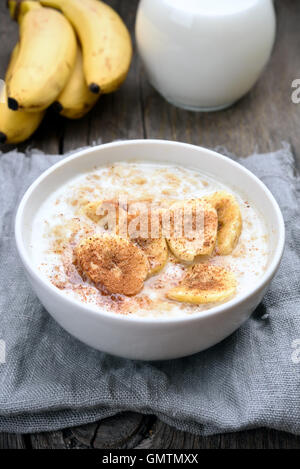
(18, 8)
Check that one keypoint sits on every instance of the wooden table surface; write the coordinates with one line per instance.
(259, 122)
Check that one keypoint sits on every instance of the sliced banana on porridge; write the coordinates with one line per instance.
(105, 211)
(147, 234)
(114, 262)
(229, 220)
(91, 211)
(194, 225)
(113, 214)
(156, 251)
(204, 283)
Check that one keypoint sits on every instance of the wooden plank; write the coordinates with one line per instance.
(49, 440)
(11, 441)
(130, 430)
(164, 436)
(124, 430)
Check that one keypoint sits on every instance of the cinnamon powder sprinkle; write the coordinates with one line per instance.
(205, 277)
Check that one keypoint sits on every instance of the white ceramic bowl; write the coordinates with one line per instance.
(147, 338)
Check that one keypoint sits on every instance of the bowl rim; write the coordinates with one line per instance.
(90, 309)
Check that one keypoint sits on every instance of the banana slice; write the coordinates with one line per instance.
(155, 247)
(99, 209)
(201, 239)
(156, 251)
(204, 283)
(229, 219)
(153, 244)
(114, 262)
(105, 213)
(91, 211)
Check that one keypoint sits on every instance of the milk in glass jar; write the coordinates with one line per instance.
(204, 55)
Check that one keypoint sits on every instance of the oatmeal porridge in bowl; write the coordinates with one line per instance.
(149, 249)
(148, 274)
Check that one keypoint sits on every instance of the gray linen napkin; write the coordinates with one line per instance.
(50, 380)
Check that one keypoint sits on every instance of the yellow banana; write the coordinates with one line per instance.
(76, 99)
(12, 62)
(229, 220)
(203, 241)
(204, 283)
(16, 126)
(112, 262)
(156, 250)
(46, 57)
(16, 12)
(105, 42)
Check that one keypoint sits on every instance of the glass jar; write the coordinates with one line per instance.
(203, 55)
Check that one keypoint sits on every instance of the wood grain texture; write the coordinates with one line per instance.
(258, 122)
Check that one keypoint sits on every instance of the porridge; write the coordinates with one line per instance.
(149, 240)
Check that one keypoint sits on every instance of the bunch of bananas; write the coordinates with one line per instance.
(69, 53)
